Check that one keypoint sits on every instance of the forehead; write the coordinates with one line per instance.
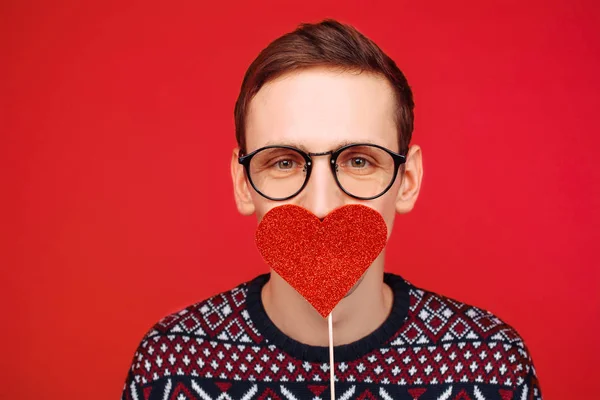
(319, 109)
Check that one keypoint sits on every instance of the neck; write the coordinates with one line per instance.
(356, 316)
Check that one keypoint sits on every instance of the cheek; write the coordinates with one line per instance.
(386, 206)
(263, 206)
(387, 209)
(261, 209)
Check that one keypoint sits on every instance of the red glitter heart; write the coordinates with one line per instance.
(321, 260)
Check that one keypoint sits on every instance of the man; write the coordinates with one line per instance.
(325, 92)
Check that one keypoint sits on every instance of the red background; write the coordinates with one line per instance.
(116, 136)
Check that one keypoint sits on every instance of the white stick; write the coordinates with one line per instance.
(331, 364)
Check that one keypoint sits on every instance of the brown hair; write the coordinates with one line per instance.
(325, 44)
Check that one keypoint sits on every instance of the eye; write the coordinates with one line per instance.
(358, 162)
(285, 164)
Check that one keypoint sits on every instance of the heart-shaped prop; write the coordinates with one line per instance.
(321, 260)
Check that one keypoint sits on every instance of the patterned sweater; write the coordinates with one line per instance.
(430, 347)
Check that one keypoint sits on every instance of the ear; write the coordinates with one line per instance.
(241, 186)
(411, 180)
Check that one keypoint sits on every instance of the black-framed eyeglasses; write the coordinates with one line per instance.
(363, 171)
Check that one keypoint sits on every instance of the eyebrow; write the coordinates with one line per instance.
(303, 148)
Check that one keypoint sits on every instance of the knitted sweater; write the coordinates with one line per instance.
(430, 347)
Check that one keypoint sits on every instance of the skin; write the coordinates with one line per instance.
(317, 110)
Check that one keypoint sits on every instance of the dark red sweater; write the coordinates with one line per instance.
(430, 347)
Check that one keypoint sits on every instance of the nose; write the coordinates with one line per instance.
(321, 194)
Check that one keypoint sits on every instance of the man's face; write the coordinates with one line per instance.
(319, 110)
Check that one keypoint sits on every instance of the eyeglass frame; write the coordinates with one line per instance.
(399, 160)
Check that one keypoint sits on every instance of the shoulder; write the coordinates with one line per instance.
(204, 327)
(205, 318)
(457, 319)
(468, 337)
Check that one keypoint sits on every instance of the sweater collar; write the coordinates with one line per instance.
(348, 352)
